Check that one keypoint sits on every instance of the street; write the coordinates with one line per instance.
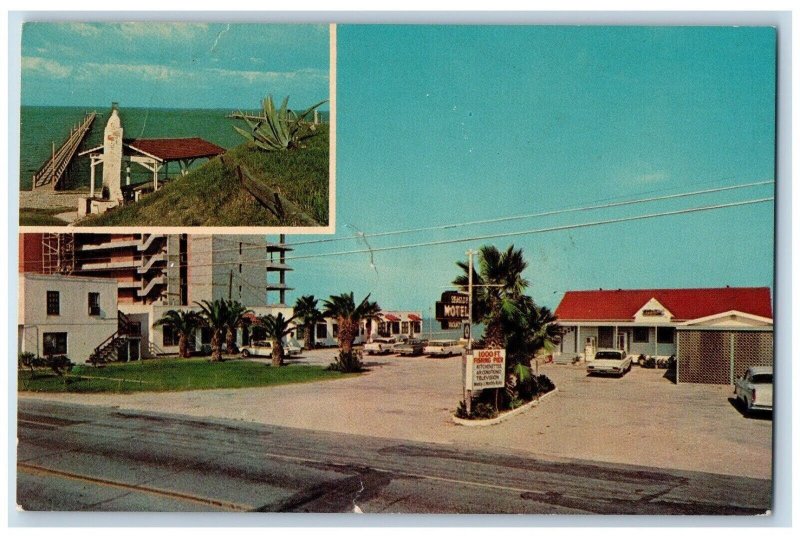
(100, 458)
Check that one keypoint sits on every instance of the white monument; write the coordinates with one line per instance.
(112, 156)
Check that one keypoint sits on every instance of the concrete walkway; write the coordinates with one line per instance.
(641, 419)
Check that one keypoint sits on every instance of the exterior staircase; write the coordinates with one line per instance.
(108, 349)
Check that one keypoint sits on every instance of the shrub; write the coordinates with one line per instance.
(480, 410)
(60, 364)
(347, 362)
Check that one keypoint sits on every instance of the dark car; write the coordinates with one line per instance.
(413, 346)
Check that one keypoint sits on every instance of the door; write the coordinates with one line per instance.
(622, 341)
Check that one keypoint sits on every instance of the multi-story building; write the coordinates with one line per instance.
(66, 315)
(158, 272)
(167, 269)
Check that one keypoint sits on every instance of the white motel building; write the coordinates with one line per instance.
(715, 333)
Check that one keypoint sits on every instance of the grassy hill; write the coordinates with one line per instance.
(212, 195)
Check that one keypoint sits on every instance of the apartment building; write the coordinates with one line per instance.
(167, 269)
(158, 272)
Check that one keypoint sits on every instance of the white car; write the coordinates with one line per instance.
(443, 348)
(754, 388)
(263, 348)
(382, 344)
(260, 348)
(610, 361)
(292, 347)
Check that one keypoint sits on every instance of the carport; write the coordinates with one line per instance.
(718, 349)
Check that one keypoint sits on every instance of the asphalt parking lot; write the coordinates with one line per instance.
(641, 418)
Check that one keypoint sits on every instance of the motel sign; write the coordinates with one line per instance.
(452, 309)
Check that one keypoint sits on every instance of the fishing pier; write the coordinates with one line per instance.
(52, 171)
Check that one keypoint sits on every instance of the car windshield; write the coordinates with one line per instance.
(762, 378)
(608, 355)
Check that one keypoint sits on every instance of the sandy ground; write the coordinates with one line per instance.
(46, 198)
(641, 418)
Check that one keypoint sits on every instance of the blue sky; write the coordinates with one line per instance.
(166, 65)
(448, 124)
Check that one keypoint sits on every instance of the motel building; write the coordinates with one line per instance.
(66, 315)
(714, 333)
(389, 323)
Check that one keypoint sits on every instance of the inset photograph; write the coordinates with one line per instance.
(213, 126)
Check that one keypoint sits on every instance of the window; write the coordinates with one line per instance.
(417, 326)
(395, 327)
(94, 303)
(240, 250)
(666, 335)
(322, 330)
(168, 336)
(405, 327)
(335, 330)
(641, 335)
(240, 267)
(55, 343)
(53, 303)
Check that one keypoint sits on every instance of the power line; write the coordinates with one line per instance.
(442, 227)
(536, 215)
(537, 231)
(477, 238)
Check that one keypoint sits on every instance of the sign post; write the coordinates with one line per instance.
(468, 350)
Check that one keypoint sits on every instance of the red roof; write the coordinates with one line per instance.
(414, 317)
(684, 304)
(391, 317)
(174, 149)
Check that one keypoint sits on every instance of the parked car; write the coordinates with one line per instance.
(610, 361)
(444, 348)
(754, 388)
(413, 346)
(292, 347)
(382, 344)
(261, 348)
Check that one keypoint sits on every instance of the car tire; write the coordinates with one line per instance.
(245, 353)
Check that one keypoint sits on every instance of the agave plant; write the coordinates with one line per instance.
(281, 129)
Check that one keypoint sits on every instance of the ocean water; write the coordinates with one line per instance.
(41, 126)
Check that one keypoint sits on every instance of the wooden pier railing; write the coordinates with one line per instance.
(52, 171)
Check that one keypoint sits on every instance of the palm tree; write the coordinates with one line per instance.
(215, 317)
(498, 286)
(348, 316)
(236, 318)
(535, 328)
(305, 310)
(276, 328)
(183, 322)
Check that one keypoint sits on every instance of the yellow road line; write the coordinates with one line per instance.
(44, 471)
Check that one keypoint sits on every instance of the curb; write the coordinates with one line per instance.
(505, 416)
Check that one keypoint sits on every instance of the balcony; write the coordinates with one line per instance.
(157, 281)
(109, 245)
(160, 257)
(105, 266)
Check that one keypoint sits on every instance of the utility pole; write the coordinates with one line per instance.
(468, 351)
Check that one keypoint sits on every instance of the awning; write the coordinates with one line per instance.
(414, 317)
(391, 317)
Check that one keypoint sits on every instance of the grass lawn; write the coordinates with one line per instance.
(171, 375)
(212, 195)
(29, 216)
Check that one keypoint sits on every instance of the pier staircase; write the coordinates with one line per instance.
(52, 171)
(108, 350)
